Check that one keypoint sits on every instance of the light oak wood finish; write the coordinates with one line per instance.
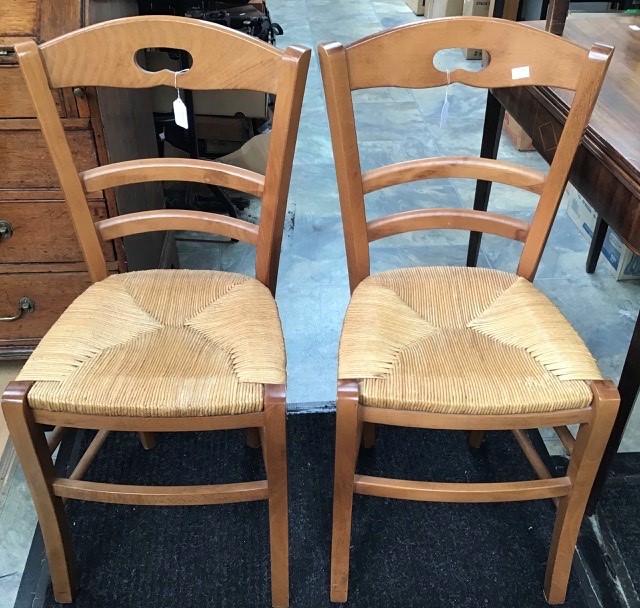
(103, 55)
(389, 59)
(31, 446)
(459, 492)
(456, 219)
(454, 167)
(566, 437)
(370, 63)
(172, 169)
(222, 58)
(56, 437)
(177, 219)
(346, 454)
(161, 496)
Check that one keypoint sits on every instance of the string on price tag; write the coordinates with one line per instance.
(179, 109)
(445, 105)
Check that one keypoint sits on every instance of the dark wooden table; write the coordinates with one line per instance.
(606, 170)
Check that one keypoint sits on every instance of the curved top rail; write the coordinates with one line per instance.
(104, 55)
(520, 55)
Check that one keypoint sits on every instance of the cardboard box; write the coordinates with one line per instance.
(436, 9)
(417, 6)
(476, 8)
(516, 134)
(616, 256)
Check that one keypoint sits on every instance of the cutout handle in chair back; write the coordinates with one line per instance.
(403, 57)
(105, 55)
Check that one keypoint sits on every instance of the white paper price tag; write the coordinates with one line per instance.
(517, 73)
(180, 113)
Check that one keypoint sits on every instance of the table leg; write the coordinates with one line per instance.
(493, 117)
(628, 387)
(599, 232)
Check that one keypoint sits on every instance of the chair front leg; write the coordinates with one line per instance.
(368, 435)
(476, 438)
(33, 452)
(148, 440)
(252, 436)
(275, 454)
(583, 466)
(345, 466)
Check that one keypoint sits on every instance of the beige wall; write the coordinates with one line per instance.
(8, 371)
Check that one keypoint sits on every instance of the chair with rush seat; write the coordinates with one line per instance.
(453, 347)
(161, 350)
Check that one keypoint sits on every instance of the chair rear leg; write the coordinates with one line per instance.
(253, 437)
(33, 452)
(368, 434)
(476, 438)
(583, 466)
(345, 465)
(275, 453)
(148, 440)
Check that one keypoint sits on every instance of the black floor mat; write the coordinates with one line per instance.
(620, 506)
(404, 553)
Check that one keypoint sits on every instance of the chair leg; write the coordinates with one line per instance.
(253, 437)
(148, 440)
(275, 438)
(476, 438)
(368, 435)
(345, 466)
(583, 466)
(33, 452)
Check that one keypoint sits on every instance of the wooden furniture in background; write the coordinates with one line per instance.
(161, 350)
(415, 341)
(606, 170)
(40, 258)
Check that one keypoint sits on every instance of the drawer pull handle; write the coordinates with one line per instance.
(78, 92)
(24, 305)
(6, 230)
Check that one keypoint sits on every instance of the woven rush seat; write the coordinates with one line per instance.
(161, 343)
(462, 341)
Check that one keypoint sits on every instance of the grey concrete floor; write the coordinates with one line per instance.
(393, 125)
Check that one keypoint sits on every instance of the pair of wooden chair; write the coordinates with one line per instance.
(179, 350)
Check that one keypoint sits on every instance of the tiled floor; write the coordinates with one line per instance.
(313, 293)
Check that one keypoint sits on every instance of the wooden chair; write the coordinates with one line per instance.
(455, 347)
(161, 350)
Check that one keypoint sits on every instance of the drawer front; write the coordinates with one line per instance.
(51, 293)
(15, 101)
(26, 162)
(41, 231)
(18, 17)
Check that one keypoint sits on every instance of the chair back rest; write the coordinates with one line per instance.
(403, 57)
(104, 55)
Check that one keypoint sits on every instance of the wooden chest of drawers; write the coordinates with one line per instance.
(41, 267)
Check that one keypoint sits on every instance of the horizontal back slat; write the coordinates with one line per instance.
(453, 167)
(451, 219)
(403, 57)
(177, 219)
(104, 55)
(172, 169)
